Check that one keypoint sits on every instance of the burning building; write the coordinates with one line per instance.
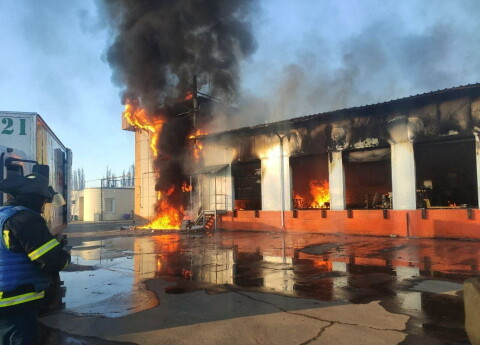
(407, 167)
(166, 151)
(162, 55)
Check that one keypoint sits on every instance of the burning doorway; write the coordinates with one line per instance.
(446, 173)
(310, 182)
(368, 178)
(247, 185)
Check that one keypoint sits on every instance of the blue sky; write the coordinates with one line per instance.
(312, 56)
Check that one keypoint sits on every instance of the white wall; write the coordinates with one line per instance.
(123, 203)
(271, 178)
(336, 176)
(403, 176)
(145, 194)
(75, 203)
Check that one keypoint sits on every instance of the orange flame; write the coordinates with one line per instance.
(197, 144)
(320, 193)
(137, 117)
(198, 132)
(153, 144)
(168, 217)
(170, 191)
(186, 187)
(197, 148)
(165, 244)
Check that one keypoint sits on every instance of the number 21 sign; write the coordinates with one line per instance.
(13, 126)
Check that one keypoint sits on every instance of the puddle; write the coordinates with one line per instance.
(419, 278)
(438, 287)
(102, 281)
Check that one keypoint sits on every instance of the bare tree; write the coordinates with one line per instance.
(75, 180)
(123, 181)
(127, 179)
(78, 179)
(107, 178)
(131, 176)
(81, 179)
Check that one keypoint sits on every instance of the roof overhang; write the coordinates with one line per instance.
(211, 169)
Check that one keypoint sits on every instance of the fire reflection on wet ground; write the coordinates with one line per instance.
(416, 277)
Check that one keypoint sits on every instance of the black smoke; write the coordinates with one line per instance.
(160, 44)
(159, 47)
(386, 57)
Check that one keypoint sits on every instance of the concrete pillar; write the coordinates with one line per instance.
(403, 176)
(145, 194)
(336, 182)
(477, 150)
(271, 181)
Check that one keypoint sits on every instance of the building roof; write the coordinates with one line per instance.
(318, 115)
(209, 169)
(40, 119)
(109, 188)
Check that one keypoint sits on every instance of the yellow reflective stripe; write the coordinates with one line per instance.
(6, 238)
(31, 296)
(43, 249)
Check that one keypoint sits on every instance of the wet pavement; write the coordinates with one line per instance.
(127, 287)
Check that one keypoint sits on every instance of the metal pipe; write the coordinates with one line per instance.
(224, 189)
(282, 182)
(194, 101)
(408, 225)
(215, 199)
(200, 192)
(282, 178)
(191, 198)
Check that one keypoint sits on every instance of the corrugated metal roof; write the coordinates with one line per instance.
(309, 117)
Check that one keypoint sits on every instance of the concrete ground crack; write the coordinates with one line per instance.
(279, 308)
(319, 334)
(309, 316)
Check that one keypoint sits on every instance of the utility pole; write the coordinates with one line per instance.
(194, 101)
(101, 199)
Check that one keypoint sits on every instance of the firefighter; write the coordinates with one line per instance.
(29, 257)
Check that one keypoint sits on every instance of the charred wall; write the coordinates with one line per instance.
(448, 168)
(365, 138)
(435, 116)
(368, 178)
(247, 187)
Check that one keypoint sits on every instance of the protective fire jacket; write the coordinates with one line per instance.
(18, 269)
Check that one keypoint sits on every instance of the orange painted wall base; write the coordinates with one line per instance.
(429, 223)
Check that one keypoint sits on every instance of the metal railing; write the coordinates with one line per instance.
(218, 202)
